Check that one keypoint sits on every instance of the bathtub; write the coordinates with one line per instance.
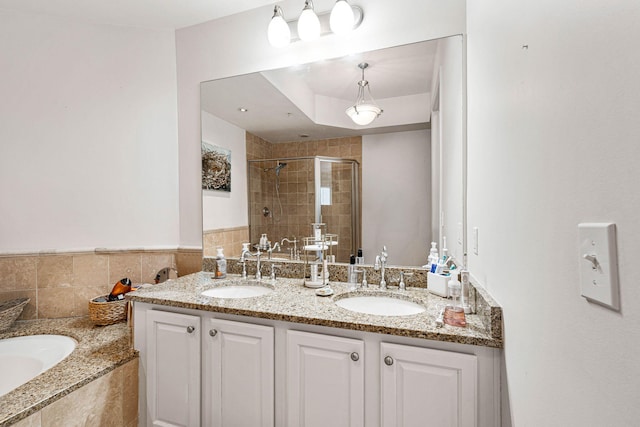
(24, 358)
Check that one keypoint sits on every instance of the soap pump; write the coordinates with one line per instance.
(433, 255)
(454, 312)
(221, 264)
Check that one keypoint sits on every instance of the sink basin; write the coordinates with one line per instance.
(380, 305)
(237, 291)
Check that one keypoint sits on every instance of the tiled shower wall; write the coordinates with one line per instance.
(61, 285)
(296, 187)
(296, 197)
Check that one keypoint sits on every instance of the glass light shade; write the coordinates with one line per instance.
(363, 114)
(308, 25)
(341, 20)
(278, 32)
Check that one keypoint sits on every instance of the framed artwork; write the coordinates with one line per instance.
(216, 168)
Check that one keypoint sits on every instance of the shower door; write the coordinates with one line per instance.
(337, 202)
(287, 195)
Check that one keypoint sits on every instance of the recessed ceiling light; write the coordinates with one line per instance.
(242, 110)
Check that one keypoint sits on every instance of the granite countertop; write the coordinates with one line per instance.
(292, 302)
(100, 349)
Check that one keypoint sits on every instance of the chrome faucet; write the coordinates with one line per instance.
(381, 263)
(402, 286)
(243, 258)
(273, 248)
(294, 251)
(273, 271)
(163, 275)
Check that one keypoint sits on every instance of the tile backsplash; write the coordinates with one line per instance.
(230, 239)
(60, 285)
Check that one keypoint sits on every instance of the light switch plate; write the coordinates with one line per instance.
(599, 264)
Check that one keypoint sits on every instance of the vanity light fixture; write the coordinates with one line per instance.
(362, 112)
(342, 19)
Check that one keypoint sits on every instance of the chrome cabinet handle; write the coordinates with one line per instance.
(190, 329)
(213, 332)
(355, 356)
(388, 360)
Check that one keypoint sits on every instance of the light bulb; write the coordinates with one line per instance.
(278, 32)
(308, 24)
(341, 19)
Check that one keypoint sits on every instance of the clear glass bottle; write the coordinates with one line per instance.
(351, 273)
(454, 312)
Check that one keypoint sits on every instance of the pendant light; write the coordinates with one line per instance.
(278, 32)
(362, 112)
(308, 23)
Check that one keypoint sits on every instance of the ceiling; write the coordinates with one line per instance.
(311, 99)
(153, 14)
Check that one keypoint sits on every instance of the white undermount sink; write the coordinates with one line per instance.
(380, 305)
(237, 291)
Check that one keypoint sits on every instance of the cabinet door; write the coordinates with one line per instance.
(325, 381)
(173, 369)
(239, 374)
(426, 387)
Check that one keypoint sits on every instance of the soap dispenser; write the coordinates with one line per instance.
(221, 263)
(433, 256)
(454, 312)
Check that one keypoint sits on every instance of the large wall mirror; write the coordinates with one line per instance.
(280, 153)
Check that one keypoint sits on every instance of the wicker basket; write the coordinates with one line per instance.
(107, 312)
(9, 312)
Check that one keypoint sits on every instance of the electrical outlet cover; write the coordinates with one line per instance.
(599, 264)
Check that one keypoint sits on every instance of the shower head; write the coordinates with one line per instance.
(280, 167)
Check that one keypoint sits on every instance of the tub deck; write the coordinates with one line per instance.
(100, 350)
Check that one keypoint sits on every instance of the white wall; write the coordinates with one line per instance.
(392, 213)
(88, 136)
(226, 209)
(238, 44)
(553, 137)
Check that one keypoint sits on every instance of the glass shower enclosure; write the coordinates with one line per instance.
(287, 195)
